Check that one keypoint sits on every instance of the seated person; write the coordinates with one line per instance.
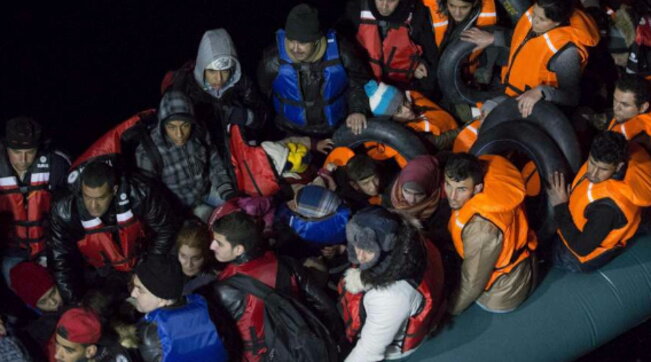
(34, 285)
(79, 337)
(393, 297)
(490, 232)
(548, 51)
(184, 158)
(175, 327)
(600, 214)
(631, 115)
(238, 242)
(436, 127)
(100, 233)
(193, 251)
(219, 89)
(451, 17)
(316, 81)
(361, 182)
(31, 172)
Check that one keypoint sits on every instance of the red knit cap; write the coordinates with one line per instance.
(79, 325)
(30, 281)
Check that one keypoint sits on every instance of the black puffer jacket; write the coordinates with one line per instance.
(65, 260)
(314, 297)
(312, 83)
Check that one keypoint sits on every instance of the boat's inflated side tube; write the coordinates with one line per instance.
(539, 148)
(449, 71)
(545, 116)
(384, 131)
(515, 8)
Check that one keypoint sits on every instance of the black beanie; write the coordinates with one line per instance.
(303, 24)
(162, 276)
(22, 133)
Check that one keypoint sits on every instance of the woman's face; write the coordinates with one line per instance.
(412, 197)
(540, 22)
(191, 260)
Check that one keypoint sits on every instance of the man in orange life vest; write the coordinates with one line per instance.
(29, 173)
(631, 115)
(490, 232)
(239, 243)
(601, 211)
(107, 227)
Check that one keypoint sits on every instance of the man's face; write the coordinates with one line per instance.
(217, 78)
(600, 171)
(145, 300)
(191, 260)
(459, 192)
(21, 159)
(300, 51)
(405, 113)
(624, 106)
(364, 256)
(459, 9)
(540, 22)
(370, 185)
(50, 301)
(66, 351)
(178, 131)
(97, 200)
(386, 7)
(224, 250)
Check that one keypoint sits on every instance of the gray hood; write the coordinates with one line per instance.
(216, 44)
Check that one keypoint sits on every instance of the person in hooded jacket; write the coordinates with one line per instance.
(219, 89)
(393, 297)
(398, 39)
(315, 80)
(191, 166)
(100, 233)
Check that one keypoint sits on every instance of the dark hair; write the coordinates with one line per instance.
(443, 5)
(609, 147)
(98, 173)
(635, 84)
(460, 166)
(239, 229)
(557, 10)
(360, 167)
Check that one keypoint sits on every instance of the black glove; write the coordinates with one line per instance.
(237, 114)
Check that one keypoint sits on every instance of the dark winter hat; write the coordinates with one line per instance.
(22, 133)
(303, 24)
(162, 276)
(30, 281)
(372, 229)
(175, 106)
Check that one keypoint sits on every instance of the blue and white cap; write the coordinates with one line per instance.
(384, 99)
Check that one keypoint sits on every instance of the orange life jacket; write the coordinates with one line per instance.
(99, 246)
(529, 57)
(432, 119)
(500, 202)
(26, 207)
(394, 59)
(420, 324)
(487, 16)
(630, 195)
(632, 127)
(466, 138)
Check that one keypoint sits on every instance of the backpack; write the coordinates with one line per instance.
(291, 331)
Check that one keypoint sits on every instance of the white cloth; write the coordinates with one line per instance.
(387, 312)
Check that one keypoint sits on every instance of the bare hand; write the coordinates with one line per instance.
(527, 100)
(558, 191)
(421, 71)
(480, 37)
(324, 146)
(356, 122)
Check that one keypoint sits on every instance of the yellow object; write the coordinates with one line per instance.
(297, 153)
